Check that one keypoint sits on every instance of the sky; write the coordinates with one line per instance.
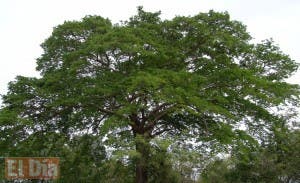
(25, 24)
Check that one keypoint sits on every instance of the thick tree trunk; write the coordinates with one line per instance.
(141, 173)
(143, 148)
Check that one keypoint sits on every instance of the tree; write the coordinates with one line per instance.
(276, 162)
(194, 77)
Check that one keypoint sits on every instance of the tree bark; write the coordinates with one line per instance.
(141, 173)
(143, 148)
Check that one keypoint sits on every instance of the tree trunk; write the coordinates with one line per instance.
(141, 172)
(143, 148)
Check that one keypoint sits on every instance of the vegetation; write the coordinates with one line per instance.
(274, 162)
(151, 100)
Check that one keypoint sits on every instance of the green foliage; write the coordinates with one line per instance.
(116, 171)
(276, 162)
(216, 172)
(160, 167)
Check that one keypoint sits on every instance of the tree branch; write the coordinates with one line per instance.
(155, 111)
(160, 132)
(157, 115)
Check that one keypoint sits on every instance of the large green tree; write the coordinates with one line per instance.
(194, 77)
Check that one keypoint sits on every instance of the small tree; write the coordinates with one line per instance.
(194, 77)
(277, 161)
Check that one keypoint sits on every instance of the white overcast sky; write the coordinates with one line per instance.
(25, 24)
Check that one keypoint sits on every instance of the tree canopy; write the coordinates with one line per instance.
(197, 78)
